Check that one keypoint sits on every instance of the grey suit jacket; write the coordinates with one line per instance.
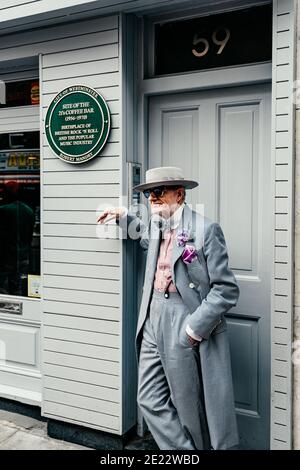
(209, 289)
(215, 288)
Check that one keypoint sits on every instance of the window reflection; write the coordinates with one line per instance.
(19, 211)
(22, 93)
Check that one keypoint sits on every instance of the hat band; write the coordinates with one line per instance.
(167, 178)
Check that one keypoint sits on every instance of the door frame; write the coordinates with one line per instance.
(282, 79)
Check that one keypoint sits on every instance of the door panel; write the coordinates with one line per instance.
(222, 139)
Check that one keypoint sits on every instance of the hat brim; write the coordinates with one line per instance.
(187, 184)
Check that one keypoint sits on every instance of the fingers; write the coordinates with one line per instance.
(105, 214)
(191, 340)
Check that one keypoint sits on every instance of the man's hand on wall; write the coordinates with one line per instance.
(110, 214)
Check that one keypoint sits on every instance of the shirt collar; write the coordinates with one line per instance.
(173, 221)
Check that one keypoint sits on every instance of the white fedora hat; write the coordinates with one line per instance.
(165, 176)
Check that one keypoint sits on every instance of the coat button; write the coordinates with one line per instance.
(191, 285)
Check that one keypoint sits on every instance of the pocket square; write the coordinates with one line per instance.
(189, 254)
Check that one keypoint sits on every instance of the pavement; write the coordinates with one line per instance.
(20, 432)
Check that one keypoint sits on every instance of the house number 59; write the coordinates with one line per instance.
(219, 42)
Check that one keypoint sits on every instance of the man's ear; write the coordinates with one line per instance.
(180, 195)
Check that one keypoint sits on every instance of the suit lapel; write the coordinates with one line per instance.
(155, 238)
(186, 225)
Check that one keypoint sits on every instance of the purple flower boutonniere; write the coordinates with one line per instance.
(189, 254)
(182, 237)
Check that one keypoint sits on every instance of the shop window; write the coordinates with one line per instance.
(220, 40)
(21, 93)
(20, 213)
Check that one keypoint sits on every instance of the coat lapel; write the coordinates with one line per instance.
(155, 238)
(186, 225)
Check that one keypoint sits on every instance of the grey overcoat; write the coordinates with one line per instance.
(209, 289)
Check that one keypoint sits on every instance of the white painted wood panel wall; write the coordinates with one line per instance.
(81, 274)
(284, 26)
(81, 314)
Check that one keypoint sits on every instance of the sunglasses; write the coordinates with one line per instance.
(159, 191)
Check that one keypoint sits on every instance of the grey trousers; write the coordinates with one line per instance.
(170, 391)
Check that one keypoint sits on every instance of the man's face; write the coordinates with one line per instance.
(166, 204)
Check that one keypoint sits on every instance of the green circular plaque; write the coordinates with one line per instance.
(77, 124)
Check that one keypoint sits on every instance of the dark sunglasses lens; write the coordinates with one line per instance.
(158, 191)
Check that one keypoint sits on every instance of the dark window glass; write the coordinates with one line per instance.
(19, 211)
(23, 93)
(223, 40)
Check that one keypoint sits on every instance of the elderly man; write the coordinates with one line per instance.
(184, 377)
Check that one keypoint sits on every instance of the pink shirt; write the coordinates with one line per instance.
(163, 269)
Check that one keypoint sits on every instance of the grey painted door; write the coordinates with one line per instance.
(222, 139)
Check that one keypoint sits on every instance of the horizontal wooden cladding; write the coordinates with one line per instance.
(282, 122)
(280, 400)
(280, 383)
(19, 119)
(283, 36)
(281, 286)
(62, 37)
(81, 349)
(281, 205)
(283, 139)
(81, 362)
(281, 254)
(81, 191)
(100, 162)
(97, 81)
(78, 204)
(102, 232)
(95, 271)
(280, 444)
(82, 69)
(282, 172)
(80, 176)
(283, 25)
(82, 244)
(86, 257)
(283, 56)
(282, 302)
(82, 297)
(283, 88)
(284, 6)
(6, 4)
(282, 105)
(82, 375)
(282, 221)
(85, 337)
(280, 319)
(106, 46)
(282, 155)
(81, 323)
(82, 284)
(281, 367)
(281, 335)
(20, 126)
(88, 403)
(81, 416)
(85, 213)
(282, 188)
(283, 71)
(31, 112)
(83, 389)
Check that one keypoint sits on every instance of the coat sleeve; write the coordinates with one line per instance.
(134, 228)
(224, 291)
